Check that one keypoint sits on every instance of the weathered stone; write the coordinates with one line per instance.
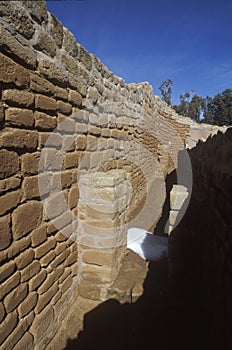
(31, 189)
(21, 223)
(70, 64)
(13, 299)
(47, 259)
(9, 163)
(5, 230)
(26, 342)
(37, 280)
(45, 44)
(28, 304)
(10, 72)
(45, 103)
(42, 323)
(44, 299)
(70, 43)
(96, 274)
(37, 10)
(19, 117)
(61, 93)
(75, 98)
(53, 72)
(50, 140)
(85, 58)
(71, 259)
(19, 139)
(90, 290)
(100, 258)
(2, 312)
(24, 259)
(71, 160)
(9, 284)
(30, 163)
(56, 31)
(66, 284)
(7, 326)
(10, 201)
(81, 142)
(73, 197)
(31, 270)
(39, 235)
(63, 107)
(45, 247)
(14, 97)
(10, 45)
(51, 278)
(40, 85)
(18, 332)
(18, 18)
(60, 258)
(18, 246)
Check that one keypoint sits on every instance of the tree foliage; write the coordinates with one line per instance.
(166, 90)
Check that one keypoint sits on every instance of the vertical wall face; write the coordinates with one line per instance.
(63, 114)
(102, 229)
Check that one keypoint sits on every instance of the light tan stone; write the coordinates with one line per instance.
(31, 270)
(40, 85)
(9, 163)
(73, 197)
(8, 325)
(45, 103)
(63, 107)
(10, 72)
(39, 235)
(5, 230)
(21, 223)
(44, 121)
(19, 138)
(96, 274)
(14, 97)
(24, 258)
(100, 258)
(44, 299)
(75, 98)
(13, 299)
(37, 280)
(45, 247)
(9, 201)
(25, 343)
(9, 284)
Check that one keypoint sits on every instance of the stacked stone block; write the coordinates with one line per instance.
(102, 229)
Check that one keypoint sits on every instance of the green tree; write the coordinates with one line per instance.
(218, 110)
(166, 91)
(196, 108)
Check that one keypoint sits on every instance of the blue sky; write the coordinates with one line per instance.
(189, 41)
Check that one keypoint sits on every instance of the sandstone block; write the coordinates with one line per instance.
(42, 323)
(70, 64)
(81, 142)
(47, 259)
(66, 284)
(75, 98)
(44, 299)
(45, 103)
(37, 280)
(85, 58)
(10, 45)
(21, 223)
(61, 93)
(60, 258)
(19, 138)
(45, 247)
(9, 284)
(24, 259)
(28, 304)
(2, 312)
(13, 299)
(70, 43)
(5, 230)
(18, 98)
(71, 160)
(100, 258)
(19, 117)
(51, 278)
(31, 270)
(18, 18)
(18, 246)
(46, 44)
(63, 107)
(71, 259)
(39, 235)
(73, 197)
(50, 140)
(9, 201)
(30, 187)
(90, 290)
(37, 10)
(56, 31)
(40, 85)
(44, 121)
(53, 72)
(7, 326)
(9, 163)
(10, 72)
(30, 163)
(25, 343)
(96, 274)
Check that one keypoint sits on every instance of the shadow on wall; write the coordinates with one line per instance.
(187, 299)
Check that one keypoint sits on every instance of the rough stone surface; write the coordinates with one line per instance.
(9, 163)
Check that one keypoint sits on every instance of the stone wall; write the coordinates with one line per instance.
(63, 114)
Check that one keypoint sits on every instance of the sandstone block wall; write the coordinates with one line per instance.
(55, 96)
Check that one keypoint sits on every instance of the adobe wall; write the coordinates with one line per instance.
(45, 78)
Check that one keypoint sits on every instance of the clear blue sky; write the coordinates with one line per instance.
(187, 41)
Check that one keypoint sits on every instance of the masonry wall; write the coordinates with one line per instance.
(45, 78)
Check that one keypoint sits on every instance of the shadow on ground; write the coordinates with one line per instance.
(184, 305)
